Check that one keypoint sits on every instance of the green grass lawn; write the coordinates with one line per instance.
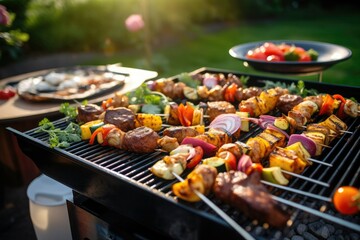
(210, 49)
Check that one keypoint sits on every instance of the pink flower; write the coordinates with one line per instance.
(134, 22)
(4, 16)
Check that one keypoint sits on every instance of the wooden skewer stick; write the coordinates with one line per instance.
(220, 212)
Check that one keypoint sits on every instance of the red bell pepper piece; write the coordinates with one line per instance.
(199, 153)
(230, 91)
(327, 106)
(104, 130)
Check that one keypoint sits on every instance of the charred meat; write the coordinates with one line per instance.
(121, 117)
(219, 107)
(250, 196)
(88, 112)
(180, 132)
(141, 140)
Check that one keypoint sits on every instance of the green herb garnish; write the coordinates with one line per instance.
(60, 138)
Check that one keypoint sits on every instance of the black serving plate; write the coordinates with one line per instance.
(329, 54)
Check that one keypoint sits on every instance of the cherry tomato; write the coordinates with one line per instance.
(254, 167)
(346, 200)
(230, 91)
(284, 47)
(199, 153)
(256, 54)
(299, 50)
(273, 58)
(304, 57)
(7, 93)
(230, 160)
(271, 49)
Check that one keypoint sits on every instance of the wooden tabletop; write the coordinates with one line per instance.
(17, 108)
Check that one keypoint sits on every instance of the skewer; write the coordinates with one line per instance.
(320, 162)
(305, 178)
(328, 217)
(294, 190)
(220, 212)
(343, 131)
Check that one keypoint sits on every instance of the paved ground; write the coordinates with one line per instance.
(15, 222)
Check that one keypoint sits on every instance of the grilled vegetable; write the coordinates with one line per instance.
(197, 117)
(307, 143)
(230, 160)
(245, 126)
(334, 123)
(165, 167)
(190, 93)
(286, 159)
(201, 179)
(196, 158)
(244, 163)
(319, 138)
(301, 152)
(274, 175)
(216, 162)
(148, 120)
(283, 124)
(346, 200)
(85, 129)
(171, 110)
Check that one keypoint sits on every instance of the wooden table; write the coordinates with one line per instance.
(15, 167)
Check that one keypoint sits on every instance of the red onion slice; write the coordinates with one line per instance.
(209, 149)
(244, 163)
(228, 122)
(308, 143)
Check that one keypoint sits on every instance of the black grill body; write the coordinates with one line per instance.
(121, 182)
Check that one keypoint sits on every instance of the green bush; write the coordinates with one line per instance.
(93, 25)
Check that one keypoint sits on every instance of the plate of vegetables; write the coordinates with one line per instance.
(290, 56)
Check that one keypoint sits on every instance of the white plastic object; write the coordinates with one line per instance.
(48, 211)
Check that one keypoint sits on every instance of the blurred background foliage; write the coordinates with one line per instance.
(93, 25)
(179, 29)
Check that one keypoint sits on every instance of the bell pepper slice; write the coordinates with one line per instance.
(199, 153)
(230, 160)
(185, 113)
(230, 91)
(327, 106)
(254, 167)
(104, 130)
(107, 103)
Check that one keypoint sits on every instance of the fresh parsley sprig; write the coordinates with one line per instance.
(58, 137)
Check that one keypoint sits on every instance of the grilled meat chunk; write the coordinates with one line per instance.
(180, 132)
(88, 112)
(287, 101)
(141, 140)
(168, 143)
(122, 118)
(247, 194)
(316, 99)
(246, 93)
(219, 107)
(115, 138)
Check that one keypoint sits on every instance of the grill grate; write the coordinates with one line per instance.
(132, 169)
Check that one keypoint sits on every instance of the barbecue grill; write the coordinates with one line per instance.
(119, 196)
